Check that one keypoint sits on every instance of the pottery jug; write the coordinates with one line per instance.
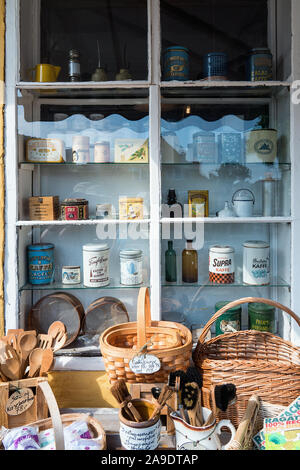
(201, 438)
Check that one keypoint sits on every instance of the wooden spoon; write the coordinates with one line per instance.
(35, 361)
(27, 342)
(47, 361)
(58, 332)
(11, 367)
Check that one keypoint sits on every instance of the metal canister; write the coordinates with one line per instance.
(131, 267)
(261, 317)
(95, 265)
(176, 63)
(40, 258)
(259, 66)
(74, 209)
(256, 263)
(102, 152)
(204, 147)
(215, 66)
(230, 321)
(230, 147)
(71, 275)
(261, 146)
(221, 264)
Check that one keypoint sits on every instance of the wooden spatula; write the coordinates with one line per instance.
(26, 343)
(47, 361)
(35, 361)
(58, 332)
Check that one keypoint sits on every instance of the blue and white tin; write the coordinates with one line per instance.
(215, 66)
(131, 264)
(231, 148)
(259, 65)
(176, 64)
(40, 263)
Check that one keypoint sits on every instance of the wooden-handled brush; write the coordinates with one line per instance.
(222, 396)
(164, 396)
(120, 391)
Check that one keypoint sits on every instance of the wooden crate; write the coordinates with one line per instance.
(44, 208)
(37, 411)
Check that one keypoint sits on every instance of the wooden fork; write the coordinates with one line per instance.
(44, 341)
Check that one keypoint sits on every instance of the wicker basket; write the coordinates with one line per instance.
(170, 342)
(256, 362)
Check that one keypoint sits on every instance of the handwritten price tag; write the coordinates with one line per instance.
(19, 402)
(145, 364)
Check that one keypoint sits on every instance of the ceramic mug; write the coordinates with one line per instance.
(45, 72)
(201, 438)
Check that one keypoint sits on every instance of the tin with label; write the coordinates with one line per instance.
(74, 209)
(204, 147)
(71, 275)
(40, 263)
(81, 149)
(259, 65)
(131, 264)
(230, 321)
(256, 263)
(176, 64)
(95, 265)
(261, 317)
(261, 146)
(221, 264)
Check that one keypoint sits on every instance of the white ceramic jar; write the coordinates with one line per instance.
(71, 275)
(256, 263)
(96, 265)
(81, 149)
(131, 264)
(102, 152)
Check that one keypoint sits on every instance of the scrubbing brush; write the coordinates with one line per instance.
(221, 396)
(189, 397)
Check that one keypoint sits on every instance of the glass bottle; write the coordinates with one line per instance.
(74, 66)
(176, 210)
(170, 263)
(189, 263)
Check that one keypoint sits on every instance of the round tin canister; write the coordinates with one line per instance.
(261, 146)
(131, 264)
(261, 317)
(40, 263)
(259, 65)
(95, 265)
(204, 147)
(71, 275)
(140, 436)
(81, 149)
(176, 63)
(221, 264)
(256, 263)
(74, 209)
(215, 66)
(230, 321)
(102, 152)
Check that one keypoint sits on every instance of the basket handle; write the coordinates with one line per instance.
(245, 300)
(55, 415)
(143, 316)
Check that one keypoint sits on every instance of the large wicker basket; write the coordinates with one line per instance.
(170, 342)
(256, 362)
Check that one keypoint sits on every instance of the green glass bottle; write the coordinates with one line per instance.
(170, 263)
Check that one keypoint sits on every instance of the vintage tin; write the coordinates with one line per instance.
(105, 211)
(74, 209)
(40, 258)
(256, 263)
(261, 146)
(215, 66)
(45, 151)
(131, 208)
(176, 63)
(261, 317)
(71, 275)
(259, 65)
(221, 264)
(81, 149)
(231, 148)
(102, 152)
(230, 321)
(95, 265)
(131, 264)
(205, 147)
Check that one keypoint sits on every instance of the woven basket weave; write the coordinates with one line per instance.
(170, 342)
(256, 362)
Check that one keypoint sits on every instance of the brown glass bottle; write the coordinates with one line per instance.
(189, 263)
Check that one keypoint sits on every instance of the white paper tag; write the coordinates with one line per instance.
(145, 364)
(19, 402)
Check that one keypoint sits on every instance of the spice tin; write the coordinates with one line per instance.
(176, 63)
(230, 321)
(81, 149)
(71, 275)
(74, 209)
(40, 263)
(215, 66)
(259, 65)
(221, 264)
(231, 148)
(261, 317)
(261, 146)
(95, 265)
(102, 152)
(256, 263)
(205, 148)
(131, 208)
(131, 264)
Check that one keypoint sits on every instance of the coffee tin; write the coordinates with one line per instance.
(74, 209)
(40, 263)
(221, 264)
(256, 263)
(230, 321)
(176, 63)
(261, 317)
(131, 264)
(71, 275)
(259, 65)
(215, 66)
(95, 265)
(261, 146)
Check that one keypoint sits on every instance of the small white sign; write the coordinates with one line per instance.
(145, 364)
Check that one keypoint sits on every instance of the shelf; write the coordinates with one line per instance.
(275, 282)
(55, 286)
(32, 223)
(130, 165)
(229, 220)
(281, 165)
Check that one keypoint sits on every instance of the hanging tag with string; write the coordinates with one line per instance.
(144, 363)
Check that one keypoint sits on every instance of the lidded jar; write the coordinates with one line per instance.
(131, 264)
(96, 265)
(243, 202)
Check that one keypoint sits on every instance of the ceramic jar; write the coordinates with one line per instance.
(96, 265)
(131, 264)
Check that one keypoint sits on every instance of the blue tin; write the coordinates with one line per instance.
(259, 65)
(215, 66)
(40, 263)
(176, 65)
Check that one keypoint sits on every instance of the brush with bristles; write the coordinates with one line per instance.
(194, 375)
(164, 396)
(120, 391)
(222, 396)
(189, 398)
(177, 379)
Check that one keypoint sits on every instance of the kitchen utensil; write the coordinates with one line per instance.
(59, 341)
(44, 341)
(47, 361)
(102, 314)
(10, 363)
(164, 396)
(120, 391)
(58, 332)
(26, 343)
(35, 361)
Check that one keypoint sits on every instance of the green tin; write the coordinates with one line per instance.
(261, 317)
(230, 321)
